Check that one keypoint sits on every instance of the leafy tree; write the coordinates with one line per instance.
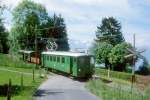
(59, 32)
(109, 31)
(28, 16)
(31, 19)
(102, 51)
(4, 47)
(117, 56)
(108, 35)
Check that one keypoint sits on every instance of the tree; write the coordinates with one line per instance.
(28, 16)
(57, 31)
(117, 57)
(30, 20)
(108, 35)
(109, 31)
(102, 51)
(4, 47)
(144, 68)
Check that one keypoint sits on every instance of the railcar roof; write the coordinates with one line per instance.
(25, 51)
(75, 54)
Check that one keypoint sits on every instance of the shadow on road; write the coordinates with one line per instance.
(81, 79)
(69, 76)
(40, 93)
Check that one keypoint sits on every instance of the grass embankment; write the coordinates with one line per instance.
(7, 60)
(118, 89)
(14, 69)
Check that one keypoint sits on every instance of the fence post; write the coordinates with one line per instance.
(9, 90)
(22, 81)
(33, 75)
(46, 72)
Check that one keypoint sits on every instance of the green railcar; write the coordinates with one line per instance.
(75, 64)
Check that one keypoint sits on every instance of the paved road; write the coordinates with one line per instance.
(59, 87)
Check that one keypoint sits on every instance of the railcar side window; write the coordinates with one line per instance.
(54, 58)
(63, 60)
(47, 57)
(75, 60)
(58, 59)
(44, 57)
(51, 58)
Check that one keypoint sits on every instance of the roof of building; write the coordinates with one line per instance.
(76, 54)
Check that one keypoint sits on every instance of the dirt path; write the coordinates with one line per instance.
(59, 87)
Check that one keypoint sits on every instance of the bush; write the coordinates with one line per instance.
(143, 71)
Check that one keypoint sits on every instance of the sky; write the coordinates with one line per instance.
(83, 16)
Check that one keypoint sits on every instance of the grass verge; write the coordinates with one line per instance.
(106, 91)
(11, 67)
(117, 87)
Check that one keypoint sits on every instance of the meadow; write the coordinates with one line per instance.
(20, 73)
(118, 86)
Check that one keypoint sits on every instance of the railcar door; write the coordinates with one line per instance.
(71, 64)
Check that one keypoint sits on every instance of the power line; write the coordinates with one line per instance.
(50, 28)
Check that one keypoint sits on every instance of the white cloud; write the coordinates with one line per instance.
(10, 3)
(120, 3)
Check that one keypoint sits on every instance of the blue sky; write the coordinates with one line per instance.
(82, 17)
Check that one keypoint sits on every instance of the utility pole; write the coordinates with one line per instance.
(35, 30)
(36, 47)
(133, 54)
(134, 60)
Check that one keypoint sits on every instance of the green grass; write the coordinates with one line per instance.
(118, 89)
(30, 86)
(7, 60)
(113, 74)
(13, 63)
(118, 92)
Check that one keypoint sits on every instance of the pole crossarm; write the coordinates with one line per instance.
(51, 44)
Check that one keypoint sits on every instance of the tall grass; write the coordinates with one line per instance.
(7, 60)
(117, 92)
(113, 74)
(13, 63)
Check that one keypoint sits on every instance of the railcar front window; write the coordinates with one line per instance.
(82, 60)
(92, 61)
